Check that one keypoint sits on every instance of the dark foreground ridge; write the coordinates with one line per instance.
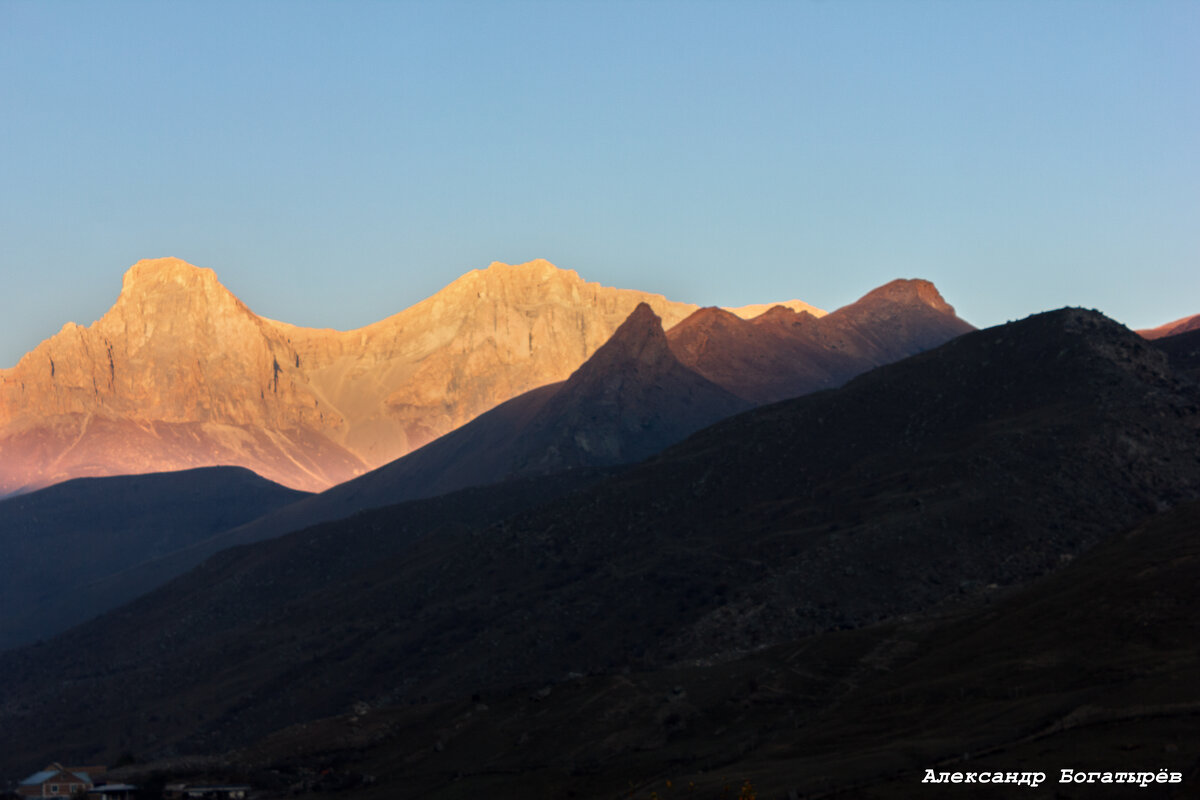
(1031, 682)
(936, 481)
(65, 551)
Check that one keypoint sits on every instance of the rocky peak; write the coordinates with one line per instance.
(151, 272)
(638, 341)
(910, 292)
(711, 317)
(690, 339)
(537, 268)
(171, 287)
(783, 315)
(528, 281)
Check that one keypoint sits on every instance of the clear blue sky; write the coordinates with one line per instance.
(336, 162)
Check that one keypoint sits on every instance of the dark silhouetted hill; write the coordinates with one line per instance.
(57, 545)
(1092, 669)
(1183, 349)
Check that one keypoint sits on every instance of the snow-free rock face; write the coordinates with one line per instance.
(180, 373)
(784, 353)
(488, 336)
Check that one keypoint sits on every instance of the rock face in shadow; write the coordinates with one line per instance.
(59, 544)
(180, 373)
(783, 353)
(971, 468)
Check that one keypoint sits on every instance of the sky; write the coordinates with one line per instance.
(336, 162)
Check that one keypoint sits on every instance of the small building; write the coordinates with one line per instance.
(59, 781)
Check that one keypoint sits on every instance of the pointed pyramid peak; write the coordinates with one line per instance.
(640, 340)
(641, 323)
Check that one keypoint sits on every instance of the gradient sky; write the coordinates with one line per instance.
(336, 162)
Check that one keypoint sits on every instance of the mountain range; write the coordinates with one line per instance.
(944, 481)
(642, 390)
(179, 373)
(803, 554)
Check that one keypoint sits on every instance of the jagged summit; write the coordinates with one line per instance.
(171, 296)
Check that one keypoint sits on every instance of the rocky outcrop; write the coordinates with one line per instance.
(178, 373)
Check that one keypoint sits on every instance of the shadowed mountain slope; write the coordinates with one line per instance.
(783, 354)
(1183, 349)
(1093, 668)
(58, 543)
(629, 400)
(328, 558)
(993, 459)
(179, 373)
